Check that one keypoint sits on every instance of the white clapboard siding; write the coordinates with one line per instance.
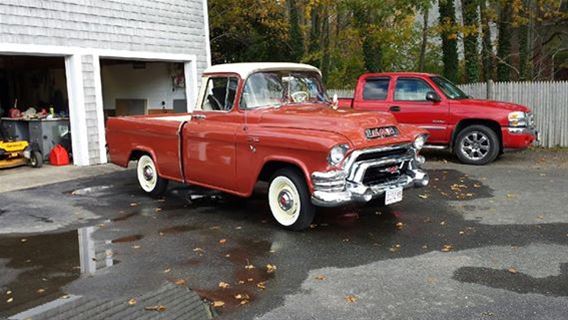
(547, 99)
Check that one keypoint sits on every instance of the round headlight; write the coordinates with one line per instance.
(337, 154)
(419, 142)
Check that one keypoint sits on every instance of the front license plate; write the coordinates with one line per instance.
(393, 196)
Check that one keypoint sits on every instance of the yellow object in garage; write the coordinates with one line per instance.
(18, 153)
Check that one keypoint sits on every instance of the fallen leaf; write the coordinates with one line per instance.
(241, 296)
(167, 270)
(199, 251)
(540, 217)
(270, 268)
(9, 292)
(249, 267)
(512, 270)
(158, 209)
(134, 204)
(132, 301)
(223, 285)
(447, 248)
(23, 240)
(399, 225)
(321, 277)
(244, 301)
(313, 226)
(40, 290)
(250, 279)
(345, 240)
(65, 296)
(222, 241)
(159, 308)
(351, 298)
(510, 195)
(238, 228)
(218, 304)
(180, 282)
(136, 246)
(261, 285)
(462, 232)
(443, 223)
(241, 282)
(10, 300)
(423, 196)
(228, 255)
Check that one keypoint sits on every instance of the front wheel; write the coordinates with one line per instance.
(148, 177)
(289, 200)
(477, 145)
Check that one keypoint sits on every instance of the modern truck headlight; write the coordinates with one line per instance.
(420, 141)
(517, 119)
(337, 154)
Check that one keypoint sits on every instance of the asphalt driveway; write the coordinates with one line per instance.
(479, 243)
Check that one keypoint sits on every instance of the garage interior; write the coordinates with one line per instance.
(132, 87)
(37, 87)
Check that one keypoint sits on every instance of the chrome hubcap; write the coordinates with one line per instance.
(476, 145)
(148, 173)
(285, 200)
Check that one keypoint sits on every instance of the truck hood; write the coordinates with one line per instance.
(506, 106)
(346, 122)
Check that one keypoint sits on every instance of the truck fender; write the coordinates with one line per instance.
(292, 161)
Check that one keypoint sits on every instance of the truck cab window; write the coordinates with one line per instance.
(220, 94)
(376, 89)
(411, 89)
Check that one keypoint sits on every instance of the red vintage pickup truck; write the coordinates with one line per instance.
(273, 122)
(477, 131)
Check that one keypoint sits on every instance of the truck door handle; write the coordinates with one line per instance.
(253, 139)
(199, 116)
(394, 109)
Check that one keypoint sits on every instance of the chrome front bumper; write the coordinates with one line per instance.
(335, 188)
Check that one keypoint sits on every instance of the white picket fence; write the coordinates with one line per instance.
(547, 99)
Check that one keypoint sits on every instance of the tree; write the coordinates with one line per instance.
(296, 37)
(504, 41)
(471, 39)
(449, 39)
(487, 44)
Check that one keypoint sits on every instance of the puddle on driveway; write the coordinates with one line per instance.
(45, 263)
(131, 238)
(94, 191)
(554, 286)
(178, 229)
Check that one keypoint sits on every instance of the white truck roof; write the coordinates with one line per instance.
(245, 69)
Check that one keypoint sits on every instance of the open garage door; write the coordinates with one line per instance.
(34, 104)
(132, 87)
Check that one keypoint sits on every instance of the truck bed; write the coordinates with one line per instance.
(157, 135)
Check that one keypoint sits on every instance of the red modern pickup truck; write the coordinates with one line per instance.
(273, 122)
(477, 131)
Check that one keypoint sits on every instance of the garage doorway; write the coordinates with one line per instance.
(135, 87)
(37, 87)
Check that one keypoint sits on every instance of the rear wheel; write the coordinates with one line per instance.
(477, 144)
(148, 177)
(289, 200)
(36, 159)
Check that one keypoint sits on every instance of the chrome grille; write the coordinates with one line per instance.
(371, 166)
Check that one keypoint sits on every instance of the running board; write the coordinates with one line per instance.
(435, 147)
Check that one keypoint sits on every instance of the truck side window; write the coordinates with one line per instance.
(411, 89)
(376, 89)
(220, 94)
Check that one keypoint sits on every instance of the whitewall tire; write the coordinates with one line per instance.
(289, 200)
(148, 177)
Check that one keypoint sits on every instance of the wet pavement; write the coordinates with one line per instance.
(479, 242)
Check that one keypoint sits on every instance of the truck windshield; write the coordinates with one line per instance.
(277, 88)
(449, 89)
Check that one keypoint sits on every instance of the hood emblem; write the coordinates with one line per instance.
(382, 132)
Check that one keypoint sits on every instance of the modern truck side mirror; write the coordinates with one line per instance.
(433, 96)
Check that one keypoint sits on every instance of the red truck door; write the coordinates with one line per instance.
(409, 105)
(209, 146)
